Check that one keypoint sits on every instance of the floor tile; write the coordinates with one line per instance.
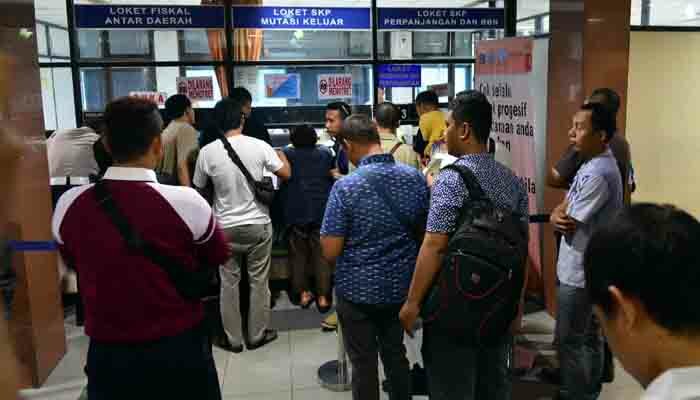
(265, 370)
(319, 393)
(71, 367)
(221, 359)
(285, 395)
(311, 349)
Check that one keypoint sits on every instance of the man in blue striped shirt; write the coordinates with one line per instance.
(369, 230)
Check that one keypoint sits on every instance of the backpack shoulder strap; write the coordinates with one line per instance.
(476, 192)
(236, 160)
(134, 240)
(395, 148)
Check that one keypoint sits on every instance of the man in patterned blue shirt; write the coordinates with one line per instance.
(369, 231)
(456, 371)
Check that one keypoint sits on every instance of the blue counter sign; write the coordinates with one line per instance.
(399, 75)
(148, 17)
(311, 18)
(452, 19)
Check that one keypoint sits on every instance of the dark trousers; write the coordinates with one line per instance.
(461, 372)
(580, 345)
(178, 367)
(305, 261)
(368, 330)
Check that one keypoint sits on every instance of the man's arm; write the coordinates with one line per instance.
(564, 171)
(183, 173)
(560, 220)
(285, 172)
(447, 199)
(427, 267)
(332, 248)
(555, 180)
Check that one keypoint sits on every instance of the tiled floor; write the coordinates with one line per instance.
(284, 370)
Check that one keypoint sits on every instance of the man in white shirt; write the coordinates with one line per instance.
(71, 159)
(246, 221)
(643, 278)
(594, 198)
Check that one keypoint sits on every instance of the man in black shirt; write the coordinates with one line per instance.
(253, 127)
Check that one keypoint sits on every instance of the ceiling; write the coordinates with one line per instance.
(663, 12)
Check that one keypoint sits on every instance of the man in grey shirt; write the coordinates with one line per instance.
(595, 196)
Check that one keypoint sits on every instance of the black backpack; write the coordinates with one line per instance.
(476, 296)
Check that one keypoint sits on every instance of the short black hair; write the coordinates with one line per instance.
(176, 106)
(388, 115)
(428, 97)
(602, 119)
(342, 107)
(359, 128)
(611, 100)
(131, 125)
(475, 109)
(241, 94)
(649, 252)
(96, 123)
(303, 136)
(228, 115)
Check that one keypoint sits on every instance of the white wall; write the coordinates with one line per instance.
(663, 117)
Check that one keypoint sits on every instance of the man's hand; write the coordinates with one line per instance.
(408, 316)
(561, 221)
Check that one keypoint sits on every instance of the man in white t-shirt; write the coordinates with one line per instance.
(246, 222)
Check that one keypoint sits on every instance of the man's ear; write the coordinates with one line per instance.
(627, 309)
(467, 134)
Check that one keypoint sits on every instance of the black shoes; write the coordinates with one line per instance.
(269, 337)
(230, 348)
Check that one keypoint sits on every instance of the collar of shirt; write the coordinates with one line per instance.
(607, 153)
(677, 384)
(375, 159)
(388, 137)
(472, 158)
(130, 174)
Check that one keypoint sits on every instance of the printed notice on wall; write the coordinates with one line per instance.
(156, 97)
(283, 86)
(334, 86)
(504, 75)
(196, 88)
(399, 75)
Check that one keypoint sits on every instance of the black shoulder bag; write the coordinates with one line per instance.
(264, 190)
(191, 285)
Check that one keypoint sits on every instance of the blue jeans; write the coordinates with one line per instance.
(461, 372)
(580, 346)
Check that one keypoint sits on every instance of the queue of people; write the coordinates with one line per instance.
(375, 238)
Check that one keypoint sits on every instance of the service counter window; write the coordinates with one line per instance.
(100, 85)
(181, 30)
(293, 89)
(52, 30)
(302, 30)
(533, 18)
(400, 83)
(665, 13)
(57, 98)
